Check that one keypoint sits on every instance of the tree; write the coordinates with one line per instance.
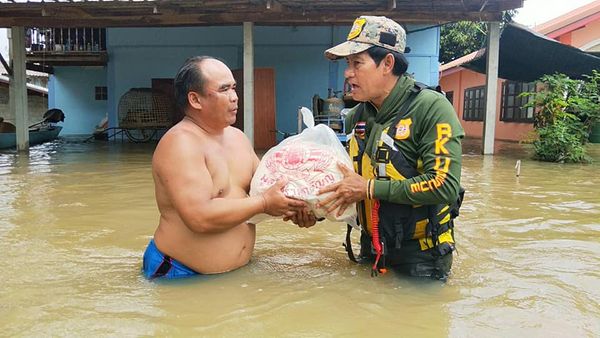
(566, 109)
(460, 38)
(463, 37)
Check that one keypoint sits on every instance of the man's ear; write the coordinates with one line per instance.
(194, 100)
(388, 63)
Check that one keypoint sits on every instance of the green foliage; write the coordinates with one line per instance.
(588, 103)
(460, 38)
(553, 100)
(560, 142)
(463, 37)
(566, 109)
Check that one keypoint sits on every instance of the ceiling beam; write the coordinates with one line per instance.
(235, 19)
(235, 12)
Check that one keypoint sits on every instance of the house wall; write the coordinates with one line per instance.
(72, 89)
(464, 79)
(459, 79)
(586, 35)
(137, 55)
(37, 105)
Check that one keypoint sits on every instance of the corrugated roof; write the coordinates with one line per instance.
(132, 13)
(549, 28)
(5, 79)
(555, 25)
(526, 55)
(461, 60)
(3, 71)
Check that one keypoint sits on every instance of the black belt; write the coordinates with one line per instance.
(163, 268)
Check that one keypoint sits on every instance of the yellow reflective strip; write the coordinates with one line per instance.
(446, 237)
(421, 225)
(444, 209)
(427, 243)
(353, 151)
(420, 229)
(367, 168)
(393, 173)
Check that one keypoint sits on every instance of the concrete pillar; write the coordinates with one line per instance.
(491, 87)
(249, 81)
(18, 87)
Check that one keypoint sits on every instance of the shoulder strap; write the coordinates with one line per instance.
(403, 166)
(348, 244)
(404, 109)
(357, 114)
(421, 86)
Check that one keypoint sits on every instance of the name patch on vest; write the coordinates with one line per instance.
(403, 129)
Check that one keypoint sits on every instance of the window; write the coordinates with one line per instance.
(474, 104)
(512, 103)
(450, 97)
(101, 94)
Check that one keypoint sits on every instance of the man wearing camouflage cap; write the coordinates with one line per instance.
(406, 148)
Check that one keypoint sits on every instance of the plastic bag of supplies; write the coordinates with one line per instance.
(308, 162)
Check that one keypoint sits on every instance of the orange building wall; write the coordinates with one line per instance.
(584, 36)
(463, 79)
(458, 79)
(565, 39)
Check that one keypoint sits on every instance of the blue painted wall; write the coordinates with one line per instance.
(136, 55)
(72, 89)
(301, 70)
(423, 58)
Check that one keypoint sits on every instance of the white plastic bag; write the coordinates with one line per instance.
(308, 161)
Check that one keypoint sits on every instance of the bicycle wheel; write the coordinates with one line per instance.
(140, 135)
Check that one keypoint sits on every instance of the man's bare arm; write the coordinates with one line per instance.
(184, 175)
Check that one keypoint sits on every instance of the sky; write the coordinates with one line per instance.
(536, 12)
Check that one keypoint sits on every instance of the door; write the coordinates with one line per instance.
(264, 106)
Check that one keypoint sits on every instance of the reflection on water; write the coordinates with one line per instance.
(76, 217)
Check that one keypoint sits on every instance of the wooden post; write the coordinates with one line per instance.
(249, 81)
(491, 87)
(18, 87)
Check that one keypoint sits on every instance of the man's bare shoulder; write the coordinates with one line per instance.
(237, 136)
(180, 142)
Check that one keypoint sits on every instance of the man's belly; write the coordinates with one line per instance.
(207, 253)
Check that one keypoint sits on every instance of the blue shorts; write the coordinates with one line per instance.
(156, 264)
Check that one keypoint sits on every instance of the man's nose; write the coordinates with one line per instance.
(348, 72)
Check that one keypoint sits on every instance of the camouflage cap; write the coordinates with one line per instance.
(369, 31)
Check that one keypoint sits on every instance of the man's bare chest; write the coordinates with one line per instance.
(229, 170)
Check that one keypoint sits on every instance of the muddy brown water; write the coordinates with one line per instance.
(75, 218)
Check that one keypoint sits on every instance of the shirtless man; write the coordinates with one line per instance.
(202, 168)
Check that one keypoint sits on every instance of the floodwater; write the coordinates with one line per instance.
(75, 219)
